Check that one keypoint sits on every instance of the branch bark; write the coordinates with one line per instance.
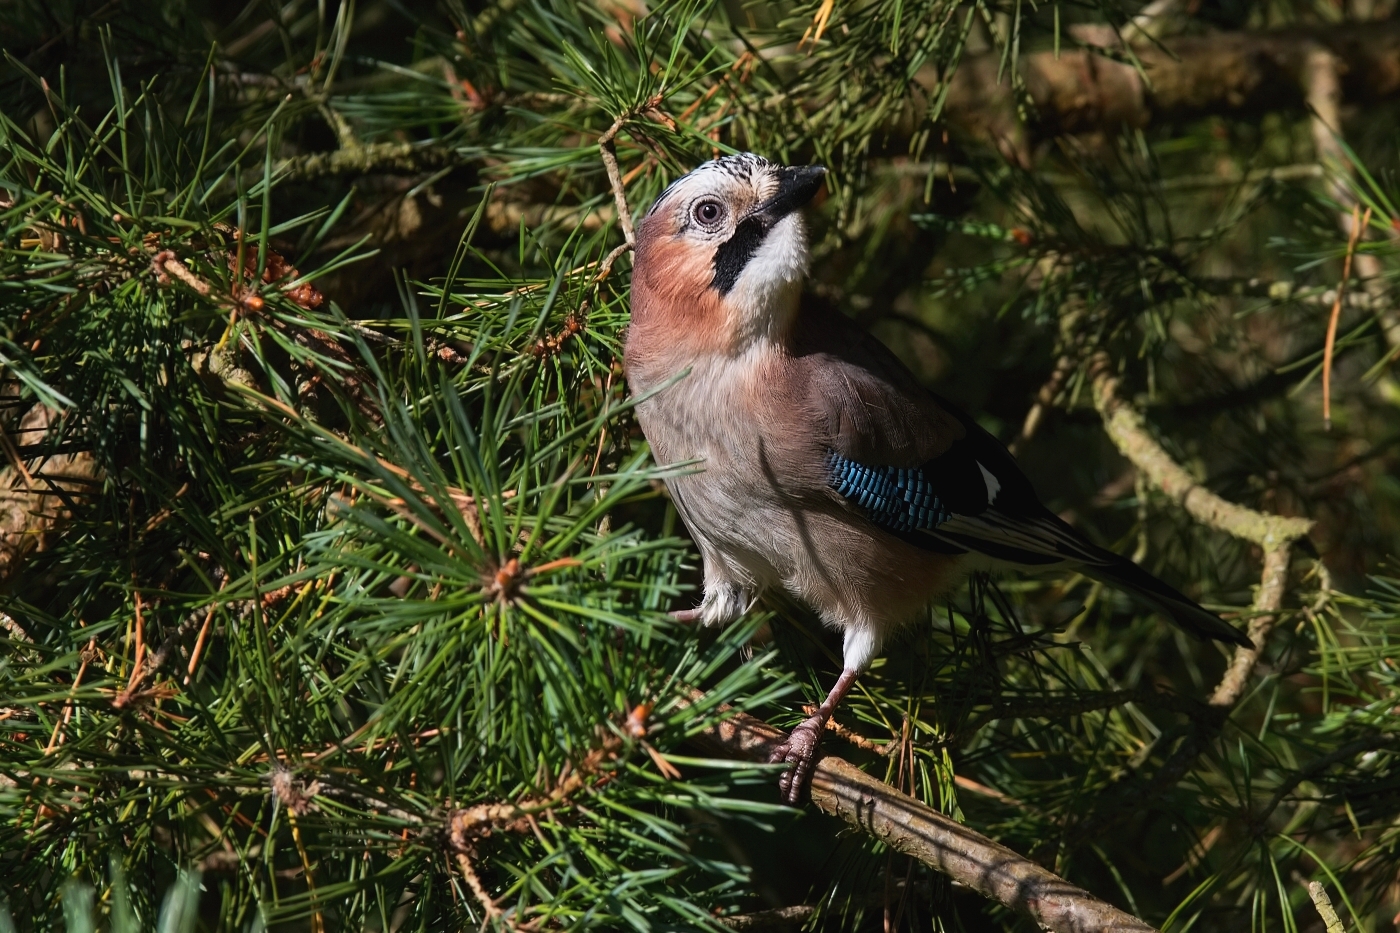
(1186, 77)
(35, 494)
(906, 825)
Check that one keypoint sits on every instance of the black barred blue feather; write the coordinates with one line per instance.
(899, 499)
(973, 498)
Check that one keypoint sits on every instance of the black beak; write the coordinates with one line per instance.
(797, 184)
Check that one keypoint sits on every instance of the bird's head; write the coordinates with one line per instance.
(722, 253)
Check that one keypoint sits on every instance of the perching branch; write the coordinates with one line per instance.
(906, 825)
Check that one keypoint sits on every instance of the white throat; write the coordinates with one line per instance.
(764, 300)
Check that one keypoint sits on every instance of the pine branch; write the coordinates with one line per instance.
(949, 847)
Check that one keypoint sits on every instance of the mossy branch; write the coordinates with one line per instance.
(393, 157)
(1129, 433)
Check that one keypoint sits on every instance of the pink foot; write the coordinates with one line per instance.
(687, 616)
(800, 752)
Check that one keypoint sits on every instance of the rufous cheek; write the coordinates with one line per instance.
(674, 310)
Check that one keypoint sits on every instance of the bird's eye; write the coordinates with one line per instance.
(708, 213)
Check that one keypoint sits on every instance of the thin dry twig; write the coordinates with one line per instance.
(607, 145)
(1274, 533)
(1358, 223)
(855, 738)
(1043, 400)
(605, 267)
(493, 911)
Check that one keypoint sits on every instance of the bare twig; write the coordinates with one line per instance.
(778, 918)
(1274, 533)
(464, 864)
(947, 846)
(605, 267)
(1324, 907)
(166, 264)
(855, 738)
(607, 145)
(466, 826)
(1043, 400)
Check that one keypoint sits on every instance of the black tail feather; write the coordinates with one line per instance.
(1042, 539)
(1181, 609)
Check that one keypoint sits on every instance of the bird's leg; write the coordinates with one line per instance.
(724, 603)
(800, 749)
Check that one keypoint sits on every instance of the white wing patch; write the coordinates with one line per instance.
(993, 484)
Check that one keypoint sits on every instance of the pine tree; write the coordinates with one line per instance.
(334, 570)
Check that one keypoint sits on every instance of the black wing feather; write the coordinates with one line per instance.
(973, 497)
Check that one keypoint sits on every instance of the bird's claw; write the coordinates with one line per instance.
(800, 752)
(687, 616)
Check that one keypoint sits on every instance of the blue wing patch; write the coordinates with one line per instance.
(899, 499)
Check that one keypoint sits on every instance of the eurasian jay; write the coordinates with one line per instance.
(824, 468)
